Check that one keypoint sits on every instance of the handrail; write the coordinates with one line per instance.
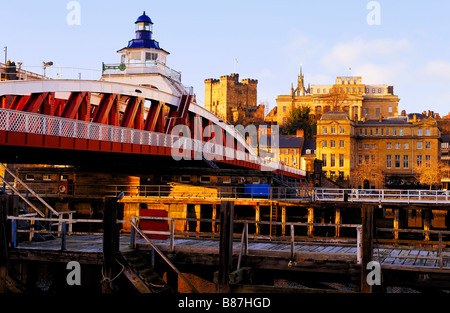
(163, 256)
(382, 195)
(29, 190)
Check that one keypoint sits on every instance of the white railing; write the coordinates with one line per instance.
(382, 195)
(24, 122)
(142, 68)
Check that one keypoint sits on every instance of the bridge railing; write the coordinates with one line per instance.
(25, 122)
(382, 195)
(172, 191)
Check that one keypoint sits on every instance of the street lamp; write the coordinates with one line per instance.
(45, 65)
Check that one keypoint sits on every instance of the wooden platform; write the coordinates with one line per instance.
(88, 248)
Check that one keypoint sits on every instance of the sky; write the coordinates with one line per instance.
(401, 43)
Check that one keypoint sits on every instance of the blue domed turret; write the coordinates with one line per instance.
(144, 18)
(144, 31)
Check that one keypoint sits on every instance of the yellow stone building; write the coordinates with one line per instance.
(233, 100)
(393, 147)
(348, 94)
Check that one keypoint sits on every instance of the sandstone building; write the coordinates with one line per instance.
(232, 100)
(397, 146)
(347, 94)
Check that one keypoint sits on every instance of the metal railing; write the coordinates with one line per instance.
(382, 195)
(24, 122)
(260, 192)
(153, 67)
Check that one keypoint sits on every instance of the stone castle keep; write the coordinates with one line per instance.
(233, 100)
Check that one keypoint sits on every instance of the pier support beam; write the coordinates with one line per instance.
(337, 220)
(225, 245)
(283, 220)
(257, 219)
(366, 244)
(110, 244)
(396, 222)
(3, 245)
(426, 223)
(310, 220)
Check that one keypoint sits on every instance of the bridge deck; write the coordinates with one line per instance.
(403, 258)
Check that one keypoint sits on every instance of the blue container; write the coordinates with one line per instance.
(257, 190)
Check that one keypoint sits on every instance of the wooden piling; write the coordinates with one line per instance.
(225, 245)
(110, 243)
(366, 244)
(3, 245)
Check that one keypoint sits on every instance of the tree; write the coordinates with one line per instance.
(367, 171)
(300, 118)
(431, 173)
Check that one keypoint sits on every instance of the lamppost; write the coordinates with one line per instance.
(45, 65)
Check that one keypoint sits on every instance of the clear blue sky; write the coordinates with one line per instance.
(410, 49)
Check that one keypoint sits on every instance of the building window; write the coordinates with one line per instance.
(333, 129)
(365, 131)
(366, 159)
(388, 145)
(371, 132)
(373, 90)
(341, 143)
(427, 132)
(419, 132)
(332, 160)
(394, 132)
(294, 151)
(360, 131)
(390, 109)
(382, 132)
(388, 161)
(397, 161)
(324, 160)
(366, 147)
(29, 176)
(406, 161)
(226, 180)
(64, 178)
(373, 146)
(359, 159)
(341, 160)
(324, 144)
(367, 90)
(379, 90)
(377, 112)
(401, 132)
(419, 145)
(286, 151)
(427, 145)
(387, 131)
(428, 161)
(324, 130)
(332, 144)
(419, 160)
(284, 109)
(205, 179)
(185, 179)
(376, 131)
(398, 145)
(47, 177)
(341, 130)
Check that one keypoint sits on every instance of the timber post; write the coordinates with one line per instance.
(225, 245)
(3, 245)
(110, 244)
(366, 244)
